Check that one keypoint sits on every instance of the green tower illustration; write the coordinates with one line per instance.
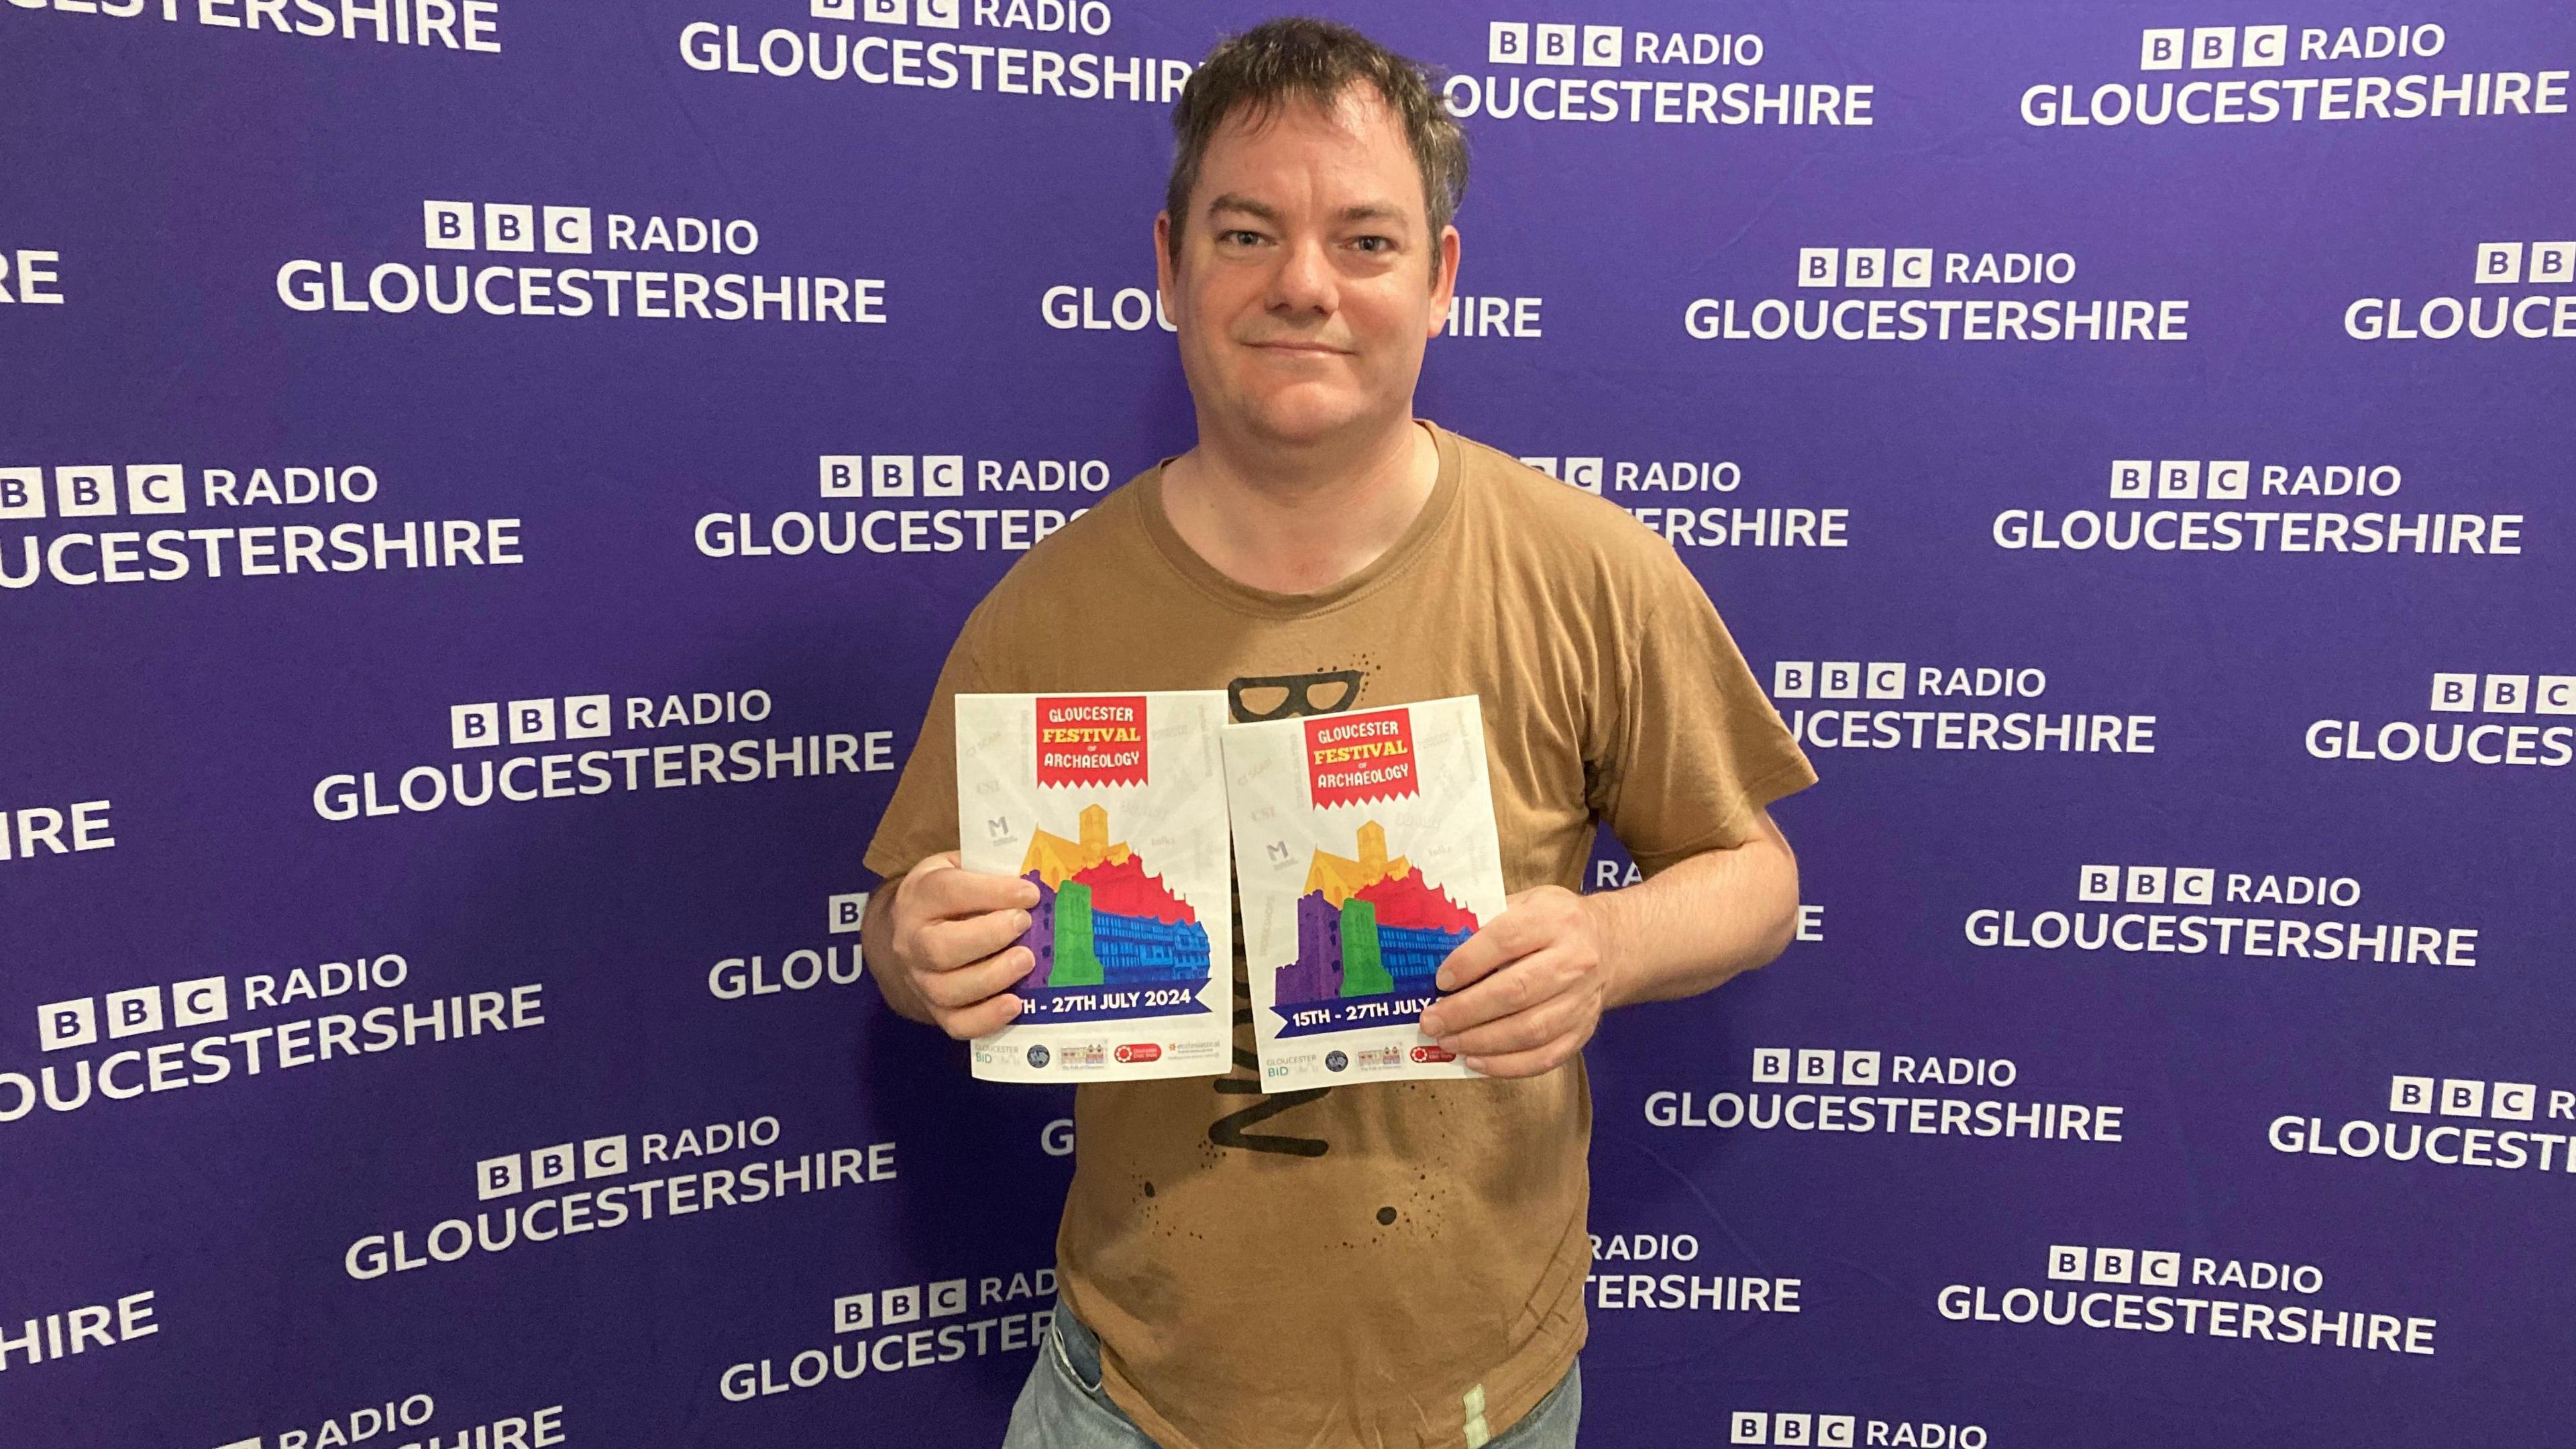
(1363, 974)
(1076, 964)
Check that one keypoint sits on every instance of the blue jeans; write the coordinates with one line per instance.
(1063, 1406)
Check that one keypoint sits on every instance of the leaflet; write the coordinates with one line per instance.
(1114, 806)
(1366, 851)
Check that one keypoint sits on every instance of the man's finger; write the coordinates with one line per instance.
(975, 982)
(1523, 983)
(982, 1019)
(1501, 941)
(947, 945)
(1521, 1031)
(952, 891)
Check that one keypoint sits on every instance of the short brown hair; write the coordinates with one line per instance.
(1300, 57)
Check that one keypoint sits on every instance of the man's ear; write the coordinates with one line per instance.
(1444, 278)
(1165, 275)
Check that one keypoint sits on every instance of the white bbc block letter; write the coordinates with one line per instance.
(2514, 1101)
(2160, 1270)
(1836, 1431)
(1815, 1064)
(1797, 1429)
(2114, 1265)
(2178, 478)
(2463, 1097)
(844, 475)
(199, 1002)
(1744, 1426)
(2097, 882)
(2145, 885)
(2455, 694)
(1865, 267)
(900, 1305)
(22, 492)
(1770, 1064)
(156, 488)
(1555, 44)
(1886, 680)
(551, 1166)
(497, 1177)
(85, 492)
(2499, 263)
(472, 726)
(134, 1013)
(851, 1314)
(1601, 44)
(943, 475)
(2131, 477)
(846, 912)
(2194, 885)
(1838, 679)
(532, 721)
(61, 1024)
(835, 9)
(2507, 694)
(2410, 1094)
(603, 1156)
(2263, 45)
(890, 475)
(1819, 267)
(587, 716)
(2213, 47)
(947, 1297)
(2553, 262)
(1507, 42)
(1860, 1069)
(2228, 477)
(2066, 1262)
(2161, 49)
(568, 229)
(937, 14)
(509, 226)
(447, 226)
(1584, 473)
(885, 12)
(1793, 679)
(2554, 694)
(1910, 267)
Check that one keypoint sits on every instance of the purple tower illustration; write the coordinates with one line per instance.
(1316, 974)
(1040, 937)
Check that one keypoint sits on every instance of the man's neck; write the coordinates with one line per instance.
(1298, 521)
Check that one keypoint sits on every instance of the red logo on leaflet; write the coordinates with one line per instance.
(1352, 758)
(1140, 1051)
(1091, 739)
(1434, 1054)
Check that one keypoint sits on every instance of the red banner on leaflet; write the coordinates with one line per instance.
(1091, 740)
(1351, 758)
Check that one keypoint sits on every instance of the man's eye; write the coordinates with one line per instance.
(1375, 244)
(1244, 238)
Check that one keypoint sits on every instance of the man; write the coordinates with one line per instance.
(1399, 1264)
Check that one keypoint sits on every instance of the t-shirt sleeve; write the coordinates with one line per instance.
(921, 819)
(1691, 746)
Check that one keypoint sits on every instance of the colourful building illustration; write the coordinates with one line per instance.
(1368, 925)
(1101, 920)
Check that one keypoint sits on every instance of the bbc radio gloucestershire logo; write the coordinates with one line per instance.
(1805, 1430)
(2164, 909)
(647, 268)
(1033, 48)
(2537, 301)
(452, 25)
(884, 504)
(2135, 1293)
(2506, 719)
(1850, 704)
(2473, 1122)
(2247, 506)
(904, 1327)
(609, 751)
(2278, 74)
(1871, 297)
(1555, 70)
(1685, 516)
(751, 975)
(1858, 1091)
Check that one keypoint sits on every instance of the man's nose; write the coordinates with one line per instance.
(1303, 284)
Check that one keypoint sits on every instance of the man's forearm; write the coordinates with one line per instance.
(1700, 922)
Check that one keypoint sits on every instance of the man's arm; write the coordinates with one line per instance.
(941, 941)
(1531, 986)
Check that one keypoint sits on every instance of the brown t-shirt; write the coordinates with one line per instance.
(1369, 1265)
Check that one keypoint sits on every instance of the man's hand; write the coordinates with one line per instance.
(1530, 986)
(943, 949)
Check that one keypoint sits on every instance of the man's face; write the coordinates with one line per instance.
(1308, 280)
